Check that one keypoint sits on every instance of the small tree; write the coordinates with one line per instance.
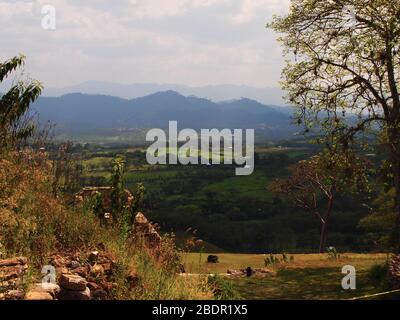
(118, 185)
(315, 183)
(14, 106)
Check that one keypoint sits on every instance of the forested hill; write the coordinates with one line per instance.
(85, 113)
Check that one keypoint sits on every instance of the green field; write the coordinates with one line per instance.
(308, 277)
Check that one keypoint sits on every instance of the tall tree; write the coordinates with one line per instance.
(314, 185)
(14, 105)
(344, 60)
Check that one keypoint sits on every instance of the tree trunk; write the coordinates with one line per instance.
(394, 142)
(322, 238)
(396, 176)
(324, 226)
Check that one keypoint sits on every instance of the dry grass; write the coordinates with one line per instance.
(309, 276)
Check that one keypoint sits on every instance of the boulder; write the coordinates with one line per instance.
(73, 282)
(75, 295)
(212, 259)
(51, 288)
(38, 295)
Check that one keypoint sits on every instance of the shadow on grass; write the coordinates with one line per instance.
(305, 284)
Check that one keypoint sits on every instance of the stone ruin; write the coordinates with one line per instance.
(144, 230)
(78, 276)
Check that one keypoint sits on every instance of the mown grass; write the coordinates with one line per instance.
(308, 277)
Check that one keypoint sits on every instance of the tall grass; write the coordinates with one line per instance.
(36, 223)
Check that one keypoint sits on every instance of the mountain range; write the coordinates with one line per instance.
(79, 113)
(269, 96)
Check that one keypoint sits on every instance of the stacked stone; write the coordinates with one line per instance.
(73, 287)
(12, 272)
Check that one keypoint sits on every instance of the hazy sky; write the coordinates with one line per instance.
(190, 42)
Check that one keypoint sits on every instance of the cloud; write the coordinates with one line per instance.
(193, 42)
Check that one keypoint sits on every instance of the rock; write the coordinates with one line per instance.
(93, 286)
(212, 259)
(13, 262)
(249, 272)
(99, 294)
(235, 273)
(263, 272)
(14, 295)
(82, 271)
(97, 271)
(73, 282)
(38, 295)
(143, 229)
(74, 265)
(75, 295)
(50, 288)
(60, 262)
(93, 256)
(12, 272)
(62, 270)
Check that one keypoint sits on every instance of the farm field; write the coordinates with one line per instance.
(307, 277)
(234, 213)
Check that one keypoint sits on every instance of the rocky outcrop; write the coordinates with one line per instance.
(394, 272)
(145, 231)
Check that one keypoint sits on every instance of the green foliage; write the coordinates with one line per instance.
(138, 199)
(14, 105)
(118, 185)
(380, 224)
(333, 254)
(346, 63)
(223, 289)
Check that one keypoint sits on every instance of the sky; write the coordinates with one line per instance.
(187, 42)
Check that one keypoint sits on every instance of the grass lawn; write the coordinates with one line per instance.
(309, 276)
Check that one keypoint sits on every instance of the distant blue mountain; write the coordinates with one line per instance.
(88, 113)
(267, 95)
